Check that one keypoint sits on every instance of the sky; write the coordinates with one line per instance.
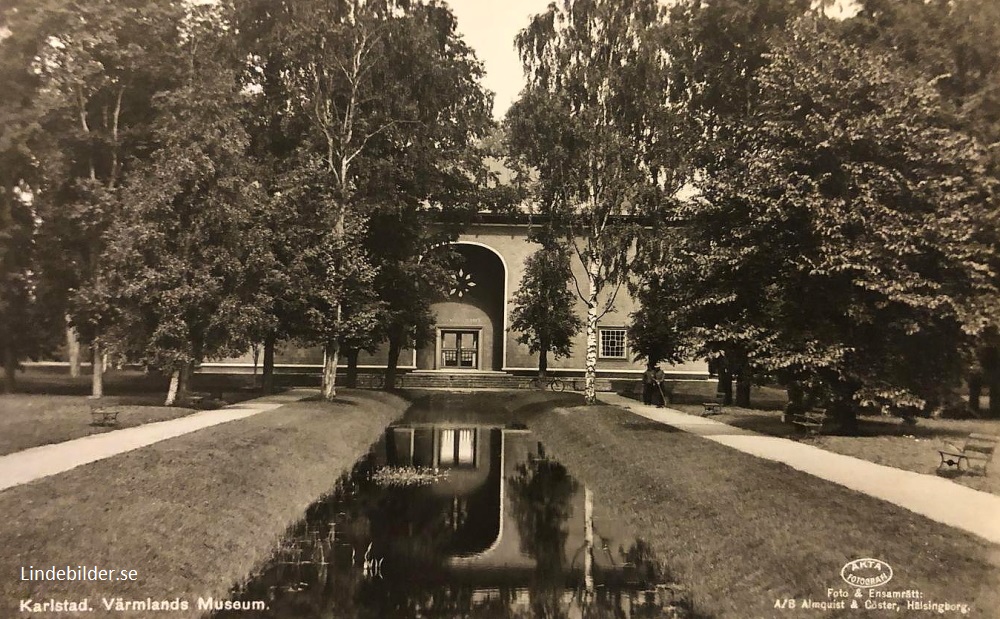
(489, 28)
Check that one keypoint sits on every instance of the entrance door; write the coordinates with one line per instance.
(460, 349)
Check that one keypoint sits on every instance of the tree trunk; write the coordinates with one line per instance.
(590, 376)
(843, 409)
(9, 369)
(725, 386)
(395, 346)
(846, 416)
(796, 401)
(975, 391)
(543, 359)
(184, 383)
(72, 349)
(97, 371)
(267, 374)
(743, 385)
(352, 367)
(331, 355)
(994, 409)
(175, 379)
(256, 357)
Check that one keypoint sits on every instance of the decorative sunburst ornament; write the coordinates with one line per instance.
(462, 284)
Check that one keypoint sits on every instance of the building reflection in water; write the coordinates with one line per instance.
(479, 521)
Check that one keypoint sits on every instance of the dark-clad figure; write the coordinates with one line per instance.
(658, 377)
(648, 384)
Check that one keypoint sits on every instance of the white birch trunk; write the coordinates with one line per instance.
(72, 350)
(590, 390)
(175, 382)
(330, 358)
(97, 374)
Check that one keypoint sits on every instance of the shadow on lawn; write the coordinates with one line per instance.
(769, 423)
(132, 387)
(647, 426)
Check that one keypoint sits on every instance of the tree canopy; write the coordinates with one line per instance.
(833, 239)
(587, 123)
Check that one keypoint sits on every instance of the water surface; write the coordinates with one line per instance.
(458, 519)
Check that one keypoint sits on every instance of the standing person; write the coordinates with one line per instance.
(658, 377)
(648, 386)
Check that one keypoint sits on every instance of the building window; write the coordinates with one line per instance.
(612, 343)
(458, 448)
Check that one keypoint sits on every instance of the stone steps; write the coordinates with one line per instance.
(410, 380)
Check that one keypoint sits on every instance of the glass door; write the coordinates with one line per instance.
(460, 349)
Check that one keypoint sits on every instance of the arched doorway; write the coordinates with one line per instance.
(469, 332)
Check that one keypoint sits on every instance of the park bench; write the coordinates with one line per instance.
(976, 452)
(102, 415)
(812, 421)
(713, 408)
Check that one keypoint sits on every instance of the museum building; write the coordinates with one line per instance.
(472, 330)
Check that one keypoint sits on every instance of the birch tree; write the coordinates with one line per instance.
(586, 123)
(382, 104)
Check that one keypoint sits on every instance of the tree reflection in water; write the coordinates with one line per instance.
(321, 570)
(541, 501)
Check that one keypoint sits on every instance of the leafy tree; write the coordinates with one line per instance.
(585, 123)
(955, 46)
(413, 272)
(382, 102)
(18, 171)
(716, 50)
(831, 240)
(653, 333)
(99, 65)
(187, 251)
(27, 328)
(543, 306)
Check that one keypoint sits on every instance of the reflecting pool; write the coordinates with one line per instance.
(461, 520)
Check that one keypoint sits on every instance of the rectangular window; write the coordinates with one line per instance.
(612, 343)
(458, 447)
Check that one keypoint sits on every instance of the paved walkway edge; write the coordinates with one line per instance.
(936, 498)
(24, 466)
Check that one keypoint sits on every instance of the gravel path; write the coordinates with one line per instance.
(934, 497)
(38, 462)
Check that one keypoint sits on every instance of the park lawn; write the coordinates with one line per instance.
(55, 380)
(194, 514)
(53, 407)
(743, 532)
(882, 440)
(28, 420)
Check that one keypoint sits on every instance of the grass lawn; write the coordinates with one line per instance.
(743, 532)
(194, 514)
(53, 407)
(55, 380)
(33, 420)
(883, 440)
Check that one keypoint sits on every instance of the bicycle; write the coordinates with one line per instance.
(552, 382)
(378, 381)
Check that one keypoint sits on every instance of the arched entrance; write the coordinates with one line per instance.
(469, 334)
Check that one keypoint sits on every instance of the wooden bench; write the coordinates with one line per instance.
(976, 452)
(812, 421)
(101, 415)
(713, 408)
